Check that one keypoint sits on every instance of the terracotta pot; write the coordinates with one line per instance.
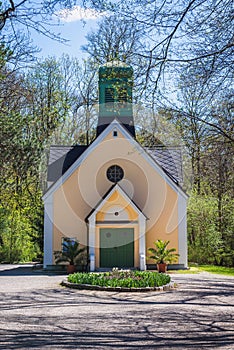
(162, 268)
(71, 269)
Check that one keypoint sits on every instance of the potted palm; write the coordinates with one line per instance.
(70, 253)
(162, 255)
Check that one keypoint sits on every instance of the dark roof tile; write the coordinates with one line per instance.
(170, 159)
(61, 158)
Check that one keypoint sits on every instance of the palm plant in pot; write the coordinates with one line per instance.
(162, 255)
(70, 253)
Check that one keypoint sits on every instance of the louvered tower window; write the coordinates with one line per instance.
(109, 95)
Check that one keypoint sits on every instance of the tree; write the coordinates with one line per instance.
(19, 18)
(31, 108)
(204, 239)
(31, 14)
(187, 117)
(204, 118)
(217, 167)
(85, 99)
(170, 32)
(117, 39)
(180, 32)
(21, 237)
(80, 89)
(37, 108)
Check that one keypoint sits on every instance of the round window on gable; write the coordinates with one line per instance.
(115, 173)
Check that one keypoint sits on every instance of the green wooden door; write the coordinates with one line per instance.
(117, 247)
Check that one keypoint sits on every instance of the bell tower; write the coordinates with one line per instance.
(115, 95)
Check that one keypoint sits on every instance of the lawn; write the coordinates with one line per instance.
(221, 270)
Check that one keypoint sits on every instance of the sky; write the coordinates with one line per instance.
(75, 24)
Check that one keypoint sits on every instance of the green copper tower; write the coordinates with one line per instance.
(115, 95)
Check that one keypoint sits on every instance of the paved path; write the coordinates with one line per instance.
(36, 313)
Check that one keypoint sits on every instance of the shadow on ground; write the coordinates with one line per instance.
(199, 315)
(26, 270)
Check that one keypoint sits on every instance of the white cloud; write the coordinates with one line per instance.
(77, 13)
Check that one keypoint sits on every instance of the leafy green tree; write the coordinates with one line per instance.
(206, 244)
(37, 108)
(31, 109)
(19, 239)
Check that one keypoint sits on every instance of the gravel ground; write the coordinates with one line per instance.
(37, 313)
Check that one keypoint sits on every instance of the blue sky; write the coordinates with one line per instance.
(75, 32)
(75, 24)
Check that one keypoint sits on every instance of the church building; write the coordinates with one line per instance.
(115, 196)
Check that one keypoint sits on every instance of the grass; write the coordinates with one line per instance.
(191, 269)
(221, 270)
(119, 278)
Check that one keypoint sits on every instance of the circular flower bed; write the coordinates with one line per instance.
(121, 279)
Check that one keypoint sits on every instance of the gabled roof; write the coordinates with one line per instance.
(62, 157)
(108, 194)
(114, 125)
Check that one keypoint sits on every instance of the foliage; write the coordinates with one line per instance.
(161, 254)
(207, 244)
(24, 131)
(17, 236)
(70, 253)
(36, 108)
(119, 278)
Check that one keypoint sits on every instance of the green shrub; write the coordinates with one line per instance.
(120, 278)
